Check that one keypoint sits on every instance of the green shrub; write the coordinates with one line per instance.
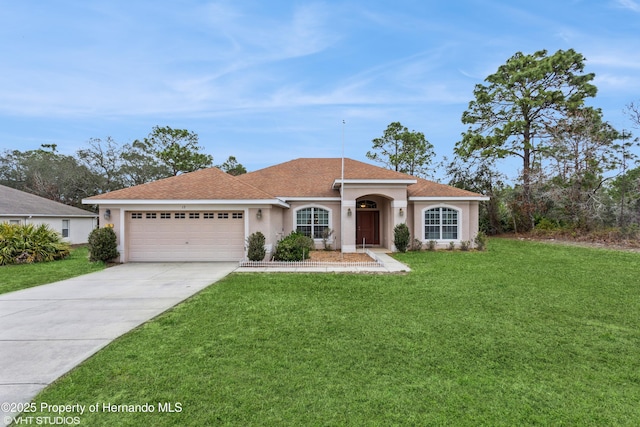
(452, 246)
(295, 247)
(550, 228)
(431, 245)
(103, 244)
(30, 243)
(547, 224)
(401, 237)
(465, 245)
(480, 241)
(256, 250)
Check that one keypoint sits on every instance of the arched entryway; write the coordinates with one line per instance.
(368, 222)
(370, 210)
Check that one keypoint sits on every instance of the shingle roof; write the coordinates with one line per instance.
(205, 184)
(306, 177)
(426, 188)
(20, 203)
(313, 177)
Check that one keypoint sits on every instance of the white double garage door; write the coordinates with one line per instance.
(185, 236)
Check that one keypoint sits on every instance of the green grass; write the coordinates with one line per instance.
(524, 334)
(15, 277)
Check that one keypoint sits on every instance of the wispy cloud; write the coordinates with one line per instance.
(616, 82)
(305, 30)
(617, 58)
(629, 4)
(168, 66)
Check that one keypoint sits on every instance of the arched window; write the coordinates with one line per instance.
(441, 224)
(312, 222)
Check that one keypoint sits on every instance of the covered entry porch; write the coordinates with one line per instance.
(370, 211)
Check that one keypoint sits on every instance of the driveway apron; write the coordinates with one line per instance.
(47, 330)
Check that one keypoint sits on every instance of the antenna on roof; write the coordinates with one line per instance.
(342, 198)
(343, 123)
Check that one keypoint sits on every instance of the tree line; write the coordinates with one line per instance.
(104, 165)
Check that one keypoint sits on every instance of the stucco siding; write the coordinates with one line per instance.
(269, 224)
(468, 218)
(334, 219)
(78, 227)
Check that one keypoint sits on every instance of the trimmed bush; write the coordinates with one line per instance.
(401, 237)
(295, 247)
(25, 244)
(431, 245)
(103, 245)
(465, 245)
(256, 250)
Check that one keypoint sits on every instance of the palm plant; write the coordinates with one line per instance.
(30, 243)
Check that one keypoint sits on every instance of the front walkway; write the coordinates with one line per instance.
(389, 265)
(47, 330)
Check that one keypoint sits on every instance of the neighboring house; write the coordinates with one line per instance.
(18, 207)
(207, 215)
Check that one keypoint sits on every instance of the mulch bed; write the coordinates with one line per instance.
(334, 256)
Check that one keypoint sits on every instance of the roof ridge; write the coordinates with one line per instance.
(237, 178)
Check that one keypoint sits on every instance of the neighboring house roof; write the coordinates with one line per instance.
(314, 177)
(300, 178)
(204, 184)
(19, 203)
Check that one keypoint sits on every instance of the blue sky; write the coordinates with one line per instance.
(269, 81)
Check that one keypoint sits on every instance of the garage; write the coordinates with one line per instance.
(185, 236)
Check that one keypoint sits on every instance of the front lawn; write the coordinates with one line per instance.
(21, 276)
(526, 333)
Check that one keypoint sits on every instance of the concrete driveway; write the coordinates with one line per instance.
(47, 330)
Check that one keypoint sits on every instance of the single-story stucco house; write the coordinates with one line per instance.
(18, 207)
(207, 215)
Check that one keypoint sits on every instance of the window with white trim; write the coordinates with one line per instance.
(441, 224)
(65, 228)
(312, 222)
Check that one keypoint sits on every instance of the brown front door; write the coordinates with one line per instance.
(367, 226)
